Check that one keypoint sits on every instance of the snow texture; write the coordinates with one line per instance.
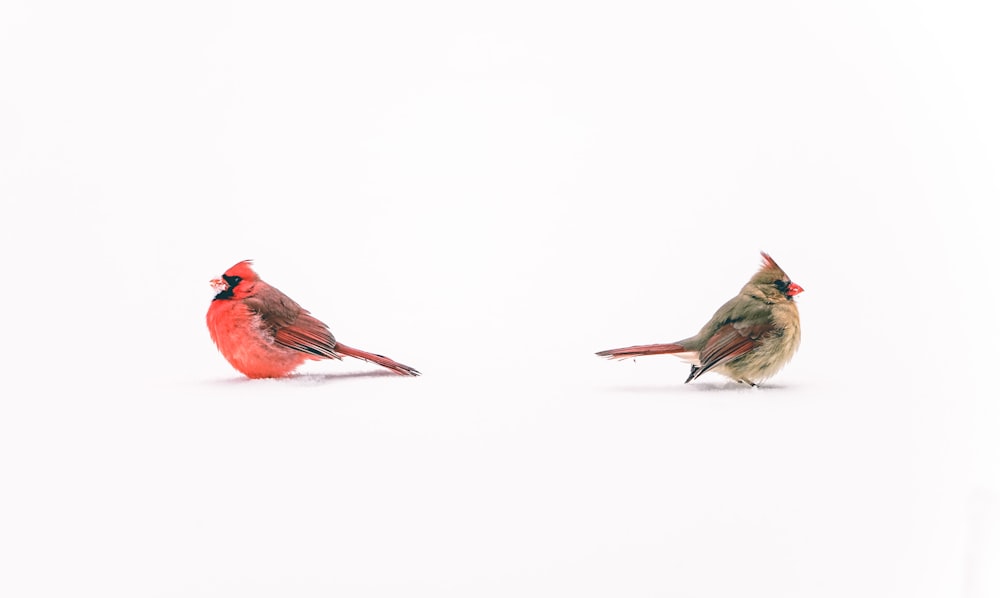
(491, 194)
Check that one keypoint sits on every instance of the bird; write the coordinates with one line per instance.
(263, 333)
(749, 339)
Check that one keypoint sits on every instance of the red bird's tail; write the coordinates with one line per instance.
(382, 360)
(642, 350)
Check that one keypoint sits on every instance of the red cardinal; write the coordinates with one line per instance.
(748, 339)
(264, 334)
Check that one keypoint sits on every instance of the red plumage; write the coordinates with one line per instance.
(263, 333)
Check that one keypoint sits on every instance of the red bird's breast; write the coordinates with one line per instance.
(247, 342)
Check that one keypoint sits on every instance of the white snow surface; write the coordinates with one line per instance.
(491, 194)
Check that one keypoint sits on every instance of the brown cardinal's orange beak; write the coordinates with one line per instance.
(218, 285)
(793, 290)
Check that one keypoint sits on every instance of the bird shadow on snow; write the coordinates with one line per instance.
(307, 379)
(703, 387)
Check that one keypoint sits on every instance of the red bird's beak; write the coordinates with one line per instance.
(219, 285)
(793, 290)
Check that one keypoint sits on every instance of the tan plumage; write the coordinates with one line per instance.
(749, 339)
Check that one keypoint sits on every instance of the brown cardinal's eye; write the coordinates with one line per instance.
(781, 285)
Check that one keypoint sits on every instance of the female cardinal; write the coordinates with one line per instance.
(264, 334)
(748, 339)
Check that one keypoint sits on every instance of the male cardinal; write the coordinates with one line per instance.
(748, 339)
(264, 334)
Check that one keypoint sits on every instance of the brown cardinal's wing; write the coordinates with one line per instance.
(290, 325)
(729, 342)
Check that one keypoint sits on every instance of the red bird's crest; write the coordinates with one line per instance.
(243, 270)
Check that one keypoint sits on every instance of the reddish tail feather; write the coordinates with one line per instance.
(641, 351)
(403, 370)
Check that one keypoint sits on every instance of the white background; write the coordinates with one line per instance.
(491, 193)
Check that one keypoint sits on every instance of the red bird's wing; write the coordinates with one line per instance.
(290, 325)
(309, 335)
(729, 342)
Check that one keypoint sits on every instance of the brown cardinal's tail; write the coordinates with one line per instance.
(642, 350)
(382, 360)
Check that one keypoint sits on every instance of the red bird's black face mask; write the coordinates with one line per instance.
(227, 284)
